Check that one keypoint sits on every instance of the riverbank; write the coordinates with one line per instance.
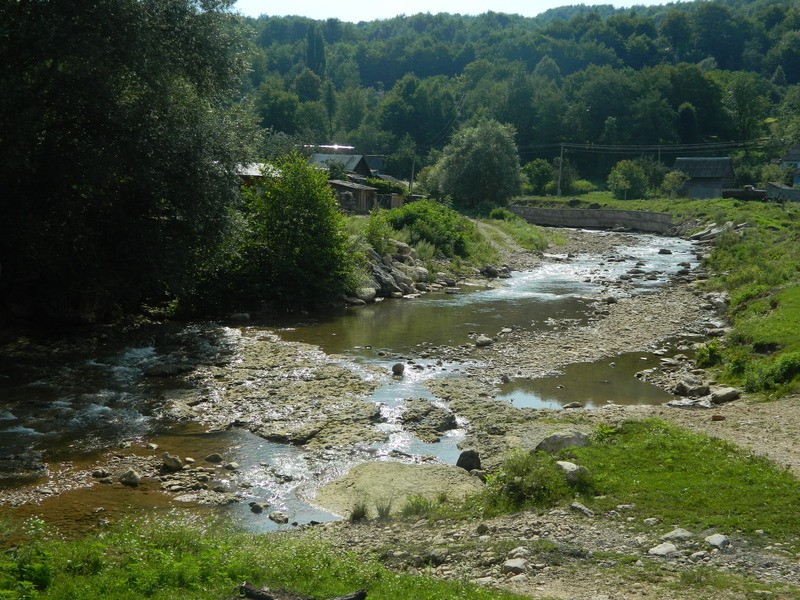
(295, 394)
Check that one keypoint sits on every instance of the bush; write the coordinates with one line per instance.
(583, 186)
(502, 214)
(378, 232)
(708, 355)
(627, 180)
(292, 250)
(526, 480)
(436, 224)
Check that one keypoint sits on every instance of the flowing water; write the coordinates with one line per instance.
(73, 403)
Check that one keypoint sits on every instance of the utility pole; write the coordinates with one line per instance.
(560, 169)
(413, 164)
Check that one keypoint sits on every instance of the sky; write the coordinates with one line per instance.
(386, 9)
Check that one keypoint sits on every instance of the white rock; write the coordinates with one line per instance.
(718, 540)
(515, 566)
(665, 549)
(677, 534)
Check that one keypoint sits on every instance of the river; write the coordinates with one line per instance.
(68, 403)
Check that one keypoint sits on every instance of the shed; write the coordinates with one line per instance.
(354, 197)
(791, 161)
(707, 176)
(353, 163)
(250, 173)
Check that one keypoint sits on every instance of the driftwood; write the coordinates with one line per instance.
(253, 593)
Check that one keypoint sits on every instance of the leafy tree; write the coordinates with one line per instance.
(538, 173)
(329, 99)
(296, 251)
(315, 50)
(675, 28)
(276, 108)
(308, 86)
(673, 183)
(118, 150)
(627, 180)
(480, 165)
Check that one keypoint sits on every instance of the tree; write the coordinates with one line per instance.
(673, 183)
(538, 173)
(308, 86)
(480, 165)
(329, 99)
(315, 49)
(627, 180)
(118, 150)
(296, 253)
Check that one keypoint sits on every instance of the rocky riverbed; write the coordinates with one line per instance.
(293, 393)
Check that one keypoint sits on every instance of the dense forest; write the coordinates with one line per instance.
(687, 73)
(122, 122)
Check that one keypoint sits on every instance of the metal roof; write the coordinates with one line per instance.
(705, 168)
(351, 162)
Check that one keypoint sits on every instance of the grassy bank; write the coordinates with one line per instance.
(181, 558)
(758, 267)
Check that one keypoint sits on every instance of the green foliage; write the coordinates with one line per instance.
(537, 174)
(418, 505)
(359, 512)
(775, 374)
(336, 169)
(436, 224)
(673, 183)
(387, 187)
(178, 558)
(582, 186)
(383, 508)
(502, 214)
(293, 252)
(525, 480)
(691, 479)
(480, 165)
(627, 180)
(378, 232)
(708, 355)
(119, 150)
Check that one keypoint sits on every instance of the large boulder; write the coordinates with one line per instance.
(562, 439)
(469, 460)
(377, 482)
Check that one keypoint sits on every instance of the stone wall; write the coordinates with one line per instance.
(637, 220)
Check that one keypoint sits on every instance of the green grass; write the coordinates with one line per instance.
(692, 481)
(180, 558)
(759, 268)
(528, 236)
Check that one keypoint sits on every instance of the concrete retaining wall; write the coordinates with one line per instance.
(581, 218)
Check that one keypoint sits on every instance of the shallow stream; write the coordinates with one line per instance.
(72, 402)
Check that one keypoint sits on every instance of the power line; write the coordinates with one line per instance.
(650, 148)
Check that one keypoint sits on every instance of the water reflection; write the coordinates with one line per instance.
(594, 384)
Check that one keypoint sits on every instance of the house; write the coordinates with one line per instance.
(707, 176)
(354, 197)
(353, 163)
(791, 161)
(250, 173)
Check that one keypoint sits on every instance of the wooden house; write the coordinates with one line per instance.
(707, 176)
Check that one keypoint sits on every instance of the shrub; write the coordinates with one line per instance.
(708, 355)
(627, 180)
(526, 479)
(358, 512)
(583, 186)
(502, 214)
(292, 248)
(378, 232)
(436, 224)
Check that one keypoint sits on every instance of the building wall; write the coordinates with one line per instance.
(638, 220)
